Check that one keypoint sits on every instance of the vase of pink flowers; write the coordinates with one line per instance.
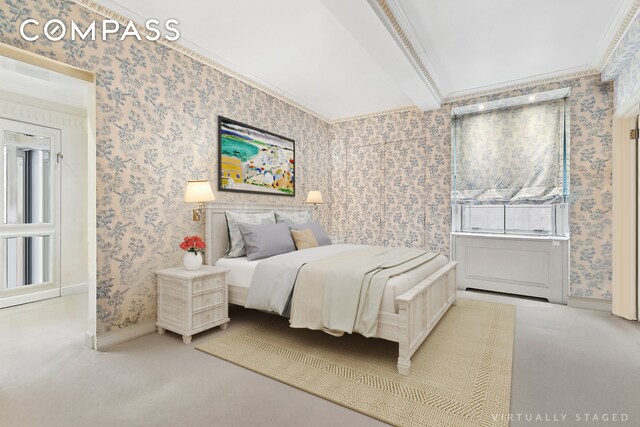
(195, 246)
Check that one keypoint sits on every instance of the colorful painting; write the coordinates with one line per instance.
(253, 160)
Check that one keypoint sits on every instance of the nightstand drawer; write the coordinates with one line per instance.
(208, 316)
(208, 283)
(208, 299)
(171, 285)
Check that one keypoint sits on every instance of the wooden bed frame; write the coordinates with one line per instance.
(419, 309)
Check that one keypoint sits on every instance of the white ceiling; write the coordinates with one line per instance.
(341, 58)
(473, 45)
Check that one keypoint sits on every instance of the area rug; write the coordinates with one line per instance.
(461, 376)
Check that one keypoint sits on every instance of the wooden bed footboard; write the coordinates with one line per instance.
(420, 309)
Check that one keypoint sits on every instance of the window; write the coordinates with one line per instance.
(510, 160)
(542, 220)
(29, 224)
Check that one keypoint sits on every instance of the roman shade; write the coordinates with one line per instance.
(511, 155)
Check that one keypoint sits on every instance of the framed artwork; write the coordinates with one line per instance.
(252, 160)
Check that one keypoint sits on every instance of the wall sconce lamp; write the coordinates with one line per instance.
(314, 198)
(198, 192)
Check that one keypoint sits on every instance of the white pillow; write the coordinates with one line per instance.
(236, 242)
(300, 217)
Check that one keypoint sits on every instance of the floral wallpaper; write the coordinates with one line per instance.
(386, 179)
(390, 206)
(627, 84)
(627, 48)
(156, 128)
(623, 67)
(391, 179)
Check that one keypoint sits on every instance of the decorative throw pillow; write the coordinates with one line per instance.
(318, 232)
(236, 242)
(301, 217)
(304, 239)
(265, 240)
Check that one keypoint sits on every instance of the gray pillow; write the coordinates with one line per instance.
(299, 217)
(236, 242)
(265, 240)
(318, 231)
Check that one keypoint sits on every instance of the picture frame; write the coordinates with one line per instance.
(253, 160)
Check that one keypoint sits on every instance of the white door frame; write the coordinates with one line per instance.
(626, 258)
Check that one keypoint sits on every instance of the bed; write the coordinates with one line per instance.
(412, 303)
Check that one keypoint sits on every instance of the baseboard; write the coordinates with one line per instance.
(80, 288)
(589, 303)
(89, 340)
(29, 297)
(125, 334)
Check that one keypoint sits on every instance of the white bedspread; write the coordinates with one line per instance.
(241, 273)
(240, 270)
(343, 293)
(339, 288)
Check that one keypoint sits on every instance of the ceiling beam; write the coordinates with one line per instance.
(396, 23)
(384, 51)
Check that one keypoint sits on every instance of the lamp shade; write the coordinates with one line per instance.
(314, 198)
(198, 192)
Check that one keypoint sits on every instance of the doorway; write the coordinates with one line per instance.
(30, 212)
(60, 101)
(625, 296)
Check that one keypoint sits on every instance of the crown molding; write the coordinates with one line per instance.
(409, 108)
(624, 21)
(111, 14)
(508, 87)
(392, 22)
(514, 101)
(521, 84)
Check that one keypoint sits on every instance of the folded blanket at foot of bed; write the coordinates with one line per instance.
(343, 293)
(336, 289)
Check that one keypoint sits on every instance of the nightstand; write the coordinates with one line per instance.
(192, 301)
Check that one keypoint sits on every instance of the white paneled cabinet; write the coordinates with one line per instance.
(536, 266)
(192, 301)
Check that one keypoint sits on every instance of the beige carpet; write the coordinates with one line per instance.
(461, 376)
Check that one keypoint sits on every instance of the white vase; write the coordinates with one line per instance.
(192, 261)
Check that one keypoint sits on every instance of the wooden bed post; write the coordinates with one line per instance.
(420, 309)
(404, 338)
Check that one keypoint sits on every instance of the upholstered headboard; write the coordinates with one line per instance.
(217, 237)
